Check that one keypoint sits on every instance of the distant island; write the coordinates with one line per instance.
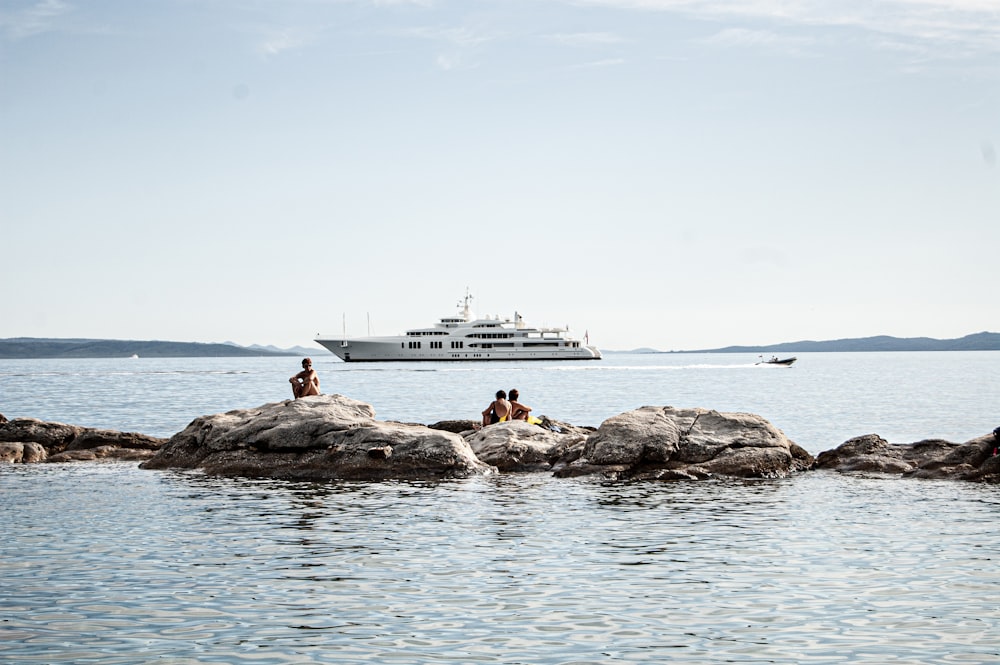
(984, 341)
(34, 347)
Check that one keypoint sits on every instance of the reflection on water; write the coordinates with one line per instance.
(112, 564)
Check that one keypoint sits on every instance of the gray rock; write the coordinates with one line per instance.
(15, 452)
(669, 443)
(28, 440)
(111, 439)
(53, 436)
(930, 458)
(518, 446)
(648, 434)
(33, 453)
(455, 426)
(322, 437)
(11, 452)
(98, 453)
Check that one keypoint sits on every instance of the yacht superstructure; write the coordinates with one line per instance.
(464, 337)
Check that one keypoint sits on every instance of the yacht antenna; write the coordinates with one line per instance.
(465, 304)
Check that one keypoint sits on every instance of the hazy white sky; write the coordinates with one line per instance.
(678, 174)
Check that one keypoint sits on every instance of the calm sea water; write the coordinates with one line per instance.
(109, 563)
(821, 401)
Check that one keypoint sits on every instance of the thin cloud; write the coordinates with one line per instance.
(586, 38)
(762, 39)
(607, 62)
(284, 40)
(463, 36)
(967, 26)
(459, 45)
(32, 20)
(453, 62)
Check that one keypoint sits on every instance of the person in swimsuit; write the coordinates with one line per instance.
(518, 411)
(306, 382)
(498, 411)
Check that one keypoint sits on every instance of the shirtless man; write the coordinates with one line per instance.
(306, 382)
(498, 411)
(518, 411)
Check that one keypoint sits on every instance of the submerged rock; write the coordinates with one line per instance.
(673, 443)
(28, 440)
(931, 458)
(322, 437)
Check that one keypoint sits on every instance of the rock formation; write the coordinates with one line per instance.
(334, 437)
(27, 440)
(668, 443)
(322, 437)
(931, 458)
(518, 446)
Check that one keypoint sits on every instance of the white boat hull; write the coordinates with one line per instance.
(394, 349)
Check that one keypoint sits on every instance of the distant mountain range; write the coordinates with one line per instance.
(34, 347)
(984, 341)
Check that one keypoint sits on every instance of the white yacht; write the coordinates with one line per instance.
(464, 337)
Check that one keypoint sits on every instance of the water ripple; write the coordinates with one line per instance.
(108, 563)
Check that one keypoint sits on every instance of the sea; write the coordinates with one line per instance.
(108, 563)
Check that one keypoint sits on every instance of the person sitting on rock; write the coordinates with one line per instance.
(518, 411)
(498, 411)
(306, 382)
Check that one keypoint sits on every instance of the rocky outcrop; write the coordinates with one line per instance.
(27, 440)
(519, 446)
(18, 452)
(667, 443)
(322, 437)
(932, 458)
(334, 437)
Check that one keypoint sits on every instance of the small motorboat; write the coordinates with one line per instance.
(775, 360)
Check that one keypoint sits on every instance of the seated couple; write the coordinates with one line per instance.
(502, 409)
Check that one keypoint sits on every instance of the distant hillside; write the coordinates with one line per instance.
(292, 351)
(31, 347)
(984, 341)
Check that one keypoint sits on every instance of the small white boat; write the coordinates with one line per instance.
(464, 337)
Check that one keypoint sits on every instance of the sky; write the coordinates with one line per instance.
(674, 174)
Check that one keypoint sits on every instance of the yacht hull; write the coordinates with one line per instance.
(386, 350)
